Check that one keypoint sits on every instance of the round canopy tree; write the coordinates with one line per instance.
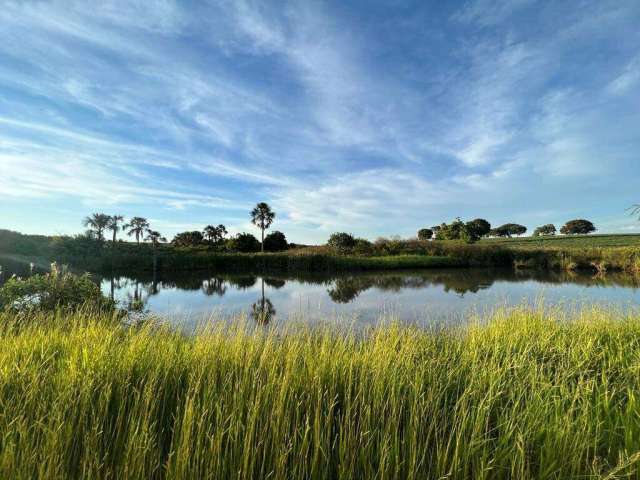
(275, 242)
(545, 230)
(479, 227)
(578, 227)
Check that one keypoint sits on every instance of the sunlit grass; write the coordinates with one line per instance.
(527, 393)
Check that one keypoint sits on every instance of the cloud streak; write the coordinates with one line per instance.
(377, 120)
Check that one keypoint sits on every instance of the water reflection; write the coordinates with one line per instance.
(412, 292)
(232, 292)
(263, 311)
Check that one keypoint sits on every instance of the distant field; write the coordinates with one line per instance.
(574, 241)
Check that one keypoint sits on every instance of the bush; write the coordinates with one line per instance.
(578, 227)
(244, 243)
(58, 289)
(275, 242)
(341, 241)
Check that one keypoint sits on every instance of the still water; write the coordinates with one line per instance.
(423, 296)
(411, 296)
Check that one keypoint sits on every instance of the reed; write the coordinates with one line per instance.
(521, 394)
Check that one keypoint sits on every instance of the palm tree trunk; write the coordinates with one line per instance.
(114, 235)
(262, 244)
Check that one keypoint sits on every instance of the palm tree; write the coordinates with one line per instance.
(137, 226)
(210, 233)
(114, 225)
(221, 232)
(262, 216)
(155, 238)
(97, 223)
(215, 234)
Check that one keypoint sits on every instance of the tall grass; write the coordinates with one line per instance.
(523, 394)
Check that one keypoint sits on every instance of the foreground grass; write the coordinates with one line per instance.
(527, 395)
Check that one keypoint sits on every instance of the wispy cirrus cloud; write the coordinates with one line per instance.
(375, 120)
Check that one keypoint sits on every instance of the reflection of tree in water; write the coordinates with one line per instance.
(139, 286)
(263, 310)
(137, 297)
(346, 290)
(243, 283)
(214, 286)
(276, 283)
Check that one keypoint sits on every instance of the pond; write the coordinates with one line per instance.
(448, 295)
(410, 296)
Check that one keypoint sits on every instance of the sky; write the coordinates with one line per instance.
(371, 117)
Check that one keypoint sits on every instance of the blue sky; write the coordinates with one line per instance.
(371, 117)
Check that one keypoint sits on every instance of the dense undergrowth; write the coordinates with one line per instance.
(522, 394)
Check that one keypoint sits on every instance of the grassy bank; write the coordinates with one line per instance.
(526, 395)
(598, 253)
(568, 241)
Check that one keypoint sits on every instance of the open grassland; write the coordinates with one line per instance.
(523, 394)
(567, 241)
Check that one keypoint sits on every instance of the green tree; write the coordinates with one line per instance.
(245, 243)
(137, 226)
(215, 235)
(188, 239)
(457, 230)
(155, 238)
(508, 230)
(262, 216)
(114, 225)
(425, 234)
(479, 227)
(97, 223)
(341, 241)
(275, 242)
(210, 233)
(577, 227)
(545, 230)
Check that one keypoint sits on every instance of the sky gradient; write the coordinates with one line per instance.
(376, 118)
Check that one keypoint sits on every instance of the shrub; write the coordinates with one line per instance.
(341, 241)
(58, 289)
(578, 227)
(275, 242)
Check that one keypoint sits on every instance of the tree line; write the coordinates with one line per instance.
(212, 236)
(474, 230)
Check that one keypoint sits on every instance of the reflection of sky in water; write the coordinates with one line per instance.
(434, 301)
